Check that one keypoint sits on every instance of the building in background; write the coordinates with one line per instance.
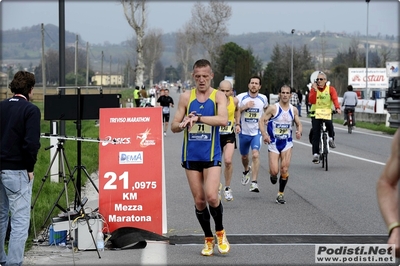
(113, 79)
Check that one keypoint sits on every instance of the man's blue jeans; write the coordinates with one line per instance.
(299, 108)
(15, 200)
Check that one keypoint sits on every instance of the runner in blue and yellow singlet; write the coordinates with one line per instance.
(200, 113)
(228, 137)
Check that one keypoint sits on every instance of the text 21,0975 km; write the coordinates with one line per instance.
(111, 184)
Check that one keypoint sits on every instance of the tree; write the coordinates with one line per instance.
(171, 74)
(70, 79)
(278, 70)
(52, 63)
(153, 48)
(184, 49)
(135, 14)
(235, 61)
(209, 25)
(227, 60)
(159, 71)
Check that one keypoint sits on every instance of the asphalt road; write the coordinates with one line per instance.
(338, 206)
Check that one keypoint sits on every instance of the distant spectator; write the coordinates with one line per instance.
(143, 93)
(153, 91)
(136, 96)
(307, 93)
(300, 96)
(267, 94)
(294, 99)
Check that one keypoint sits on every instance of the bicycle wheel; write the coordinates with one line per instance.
(322, 159)
(349, 122)
(326, 161)
(325, 152)
(349, 129)
(321, 153)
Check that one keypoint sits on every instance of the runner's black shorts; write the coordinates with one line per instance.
(200, 166)
(227, 138)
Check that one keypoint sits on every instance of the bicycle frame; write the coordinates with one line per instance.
(324, 115)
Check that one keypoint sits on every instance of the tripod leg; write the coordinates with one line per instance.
(46, 175)
(54, 206)
(82, 209)
(63, 161)
(77, 197)
(88, 176)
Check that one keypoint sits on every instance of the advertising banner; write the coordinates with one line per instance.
(131, 170)
(377, 78)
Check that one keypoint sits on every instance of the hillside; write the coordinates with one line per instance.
(23, 46)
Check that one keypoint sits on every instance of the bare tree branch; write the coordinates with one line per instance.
(209, 24)
(153, 48)
(184, 46)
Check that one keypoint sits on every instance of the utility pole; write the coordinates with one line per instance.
(291, 65)
(110, 75)
(120, 73)
(101, 74)
(87, 66)
(43, 65)
(366, 56)
(76, 61)
(129, 71)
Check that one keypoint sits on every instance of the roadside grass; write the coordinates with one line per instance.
(371, 126)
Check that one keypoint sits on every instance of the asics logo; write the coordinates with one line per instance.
(115, 141)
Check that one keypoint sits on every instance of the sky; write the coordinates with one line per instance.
(98, 22)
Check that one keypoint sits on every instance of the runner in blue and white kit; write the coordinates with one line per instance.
(251, 106)
(279, 136)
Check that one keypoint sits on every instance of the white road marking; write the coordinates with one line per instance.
(343, 154)
(155, 253)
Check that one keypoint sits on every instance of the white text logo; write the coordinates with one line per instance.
(115, 141)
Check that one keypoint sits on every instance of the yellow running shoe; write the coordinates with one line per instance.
(209, 244)
(223, 244)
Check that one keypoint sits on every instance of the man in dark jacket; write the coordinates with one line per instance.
(19, 146)
(300, 96)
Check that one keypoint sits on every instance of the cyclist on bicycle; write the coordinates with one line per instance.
(321, 98)
(350, 101)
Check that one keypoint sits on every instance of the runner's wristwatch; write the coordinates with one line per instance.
(199, 117)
